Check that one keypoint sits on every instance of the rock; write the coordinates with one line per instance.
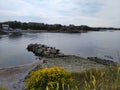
(44, 61)
(44, 51)
(103, 61)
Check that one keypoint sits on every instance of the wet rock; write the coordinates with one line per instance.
(102, 61)
(44, 51)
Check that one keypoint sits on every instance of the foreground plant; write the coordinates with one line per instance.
(57, 78)
(95, 79)
(54, 78)
(1, 88)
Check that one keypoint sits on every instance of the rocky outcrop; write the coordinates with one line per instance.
(103, 61)
(44, 51)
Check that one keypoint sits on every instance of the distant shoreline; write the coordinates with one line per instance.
(44, 26)
(53, 31)
(2, 32)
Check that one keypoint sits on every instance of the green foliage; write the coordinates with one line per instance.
(1, 88)
(54, 78)
(48, 27)
(95, 79)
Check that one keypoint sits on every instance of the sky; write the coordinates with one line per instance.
(96, 13)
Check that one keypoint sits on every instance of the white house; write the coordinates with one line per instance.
(5, 26)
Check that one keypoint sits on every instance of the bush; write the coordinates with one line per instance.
(54, 78)
(1, 88)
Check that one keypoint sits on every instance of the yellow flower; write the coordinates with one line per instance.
(48, 76)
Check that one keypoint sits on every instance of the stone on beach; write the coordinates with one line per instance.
(44, 51)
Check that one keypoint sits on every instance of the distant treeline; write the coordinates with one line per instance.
(59, 27)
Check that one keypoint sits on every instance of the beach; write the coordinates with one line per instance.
(13, 77)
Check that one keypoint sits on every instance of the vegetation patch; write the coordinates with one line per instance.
(57, 78)
(96, 79)
(2, 88)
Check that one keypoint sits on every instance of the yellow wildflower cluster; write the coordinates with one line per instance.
(48, 77)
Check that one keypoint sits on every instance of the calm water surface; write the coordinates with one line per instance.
(13, 50)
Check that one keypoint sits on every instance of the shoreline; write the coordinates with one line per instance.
(58, 31)
(32, 63)
(13, 77)
(75, 63)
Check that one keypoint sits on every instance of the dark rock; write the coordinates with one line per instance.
(44, 51)
(44, 61)
(103, 61)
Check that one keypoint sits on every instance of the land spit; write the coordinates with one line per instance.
(50, 52)
(13, 77)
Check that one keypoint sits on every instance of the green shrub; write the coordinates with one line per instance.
(1, 88)
(54, 78)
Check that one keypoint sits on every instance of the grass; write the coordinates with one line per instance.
(92, 79)
(95, 79)
(1, 88)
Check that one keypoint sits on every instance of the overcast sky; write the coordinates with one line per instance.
(85, 12)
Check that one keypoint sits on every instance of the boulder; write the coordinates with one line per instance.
(44, 51)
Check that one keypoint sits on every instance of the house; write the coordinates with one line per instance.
(5, 26)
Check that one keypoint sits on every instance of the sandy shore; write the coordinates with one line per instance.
(13, 77)
(71, 63)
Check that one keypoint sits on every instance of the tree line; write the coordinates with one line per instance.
(43, 26)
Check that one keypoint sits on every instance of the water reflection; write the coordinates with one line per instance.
(15, 35)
